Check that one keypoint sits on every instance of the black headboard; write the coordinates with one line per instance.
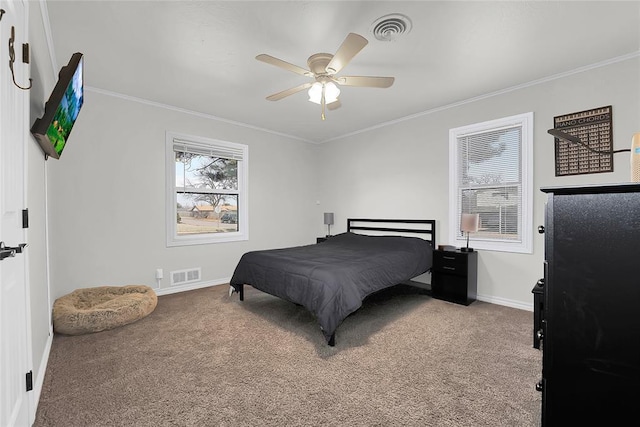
(401, 226)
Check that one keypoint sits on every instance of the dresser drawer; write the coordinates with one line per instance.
(450, 262)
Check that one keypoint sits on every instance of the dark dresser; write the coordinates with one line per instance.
(587, 306)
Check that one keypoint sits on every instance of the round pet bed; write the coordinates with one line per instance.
(88, 310)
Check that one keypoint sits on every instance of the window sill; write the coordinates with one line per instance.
(206, 240)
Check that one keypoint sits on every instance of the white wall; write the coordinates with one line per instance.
(107, 191)
(107, 196)
(401, 170)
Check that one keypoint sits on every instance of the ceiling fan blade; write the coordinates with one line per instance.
(347, 50)
(334, 105)
(283, 64)
(285, 93)
(363, 81)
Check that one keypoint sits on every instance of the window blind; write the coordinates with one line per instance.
(220, 151)
(490, 181)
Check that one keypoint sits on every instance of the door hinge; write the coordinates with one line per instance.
(25, 53)
(29, 380)
(25, 218)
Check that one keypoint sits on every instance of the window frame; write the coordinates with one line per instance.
(172, 238)
(525, 226)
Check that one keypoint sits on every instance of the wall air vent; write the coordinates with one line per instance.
(390, 27)
(181, 277)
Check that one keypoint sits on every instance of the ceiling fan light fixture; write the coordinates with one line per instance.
(315, 93)
(331, 93)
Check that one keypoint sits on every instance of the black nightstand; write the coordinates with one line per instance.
(454, 276)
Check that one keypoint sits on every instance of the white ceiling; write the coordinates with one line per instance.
(200, 56)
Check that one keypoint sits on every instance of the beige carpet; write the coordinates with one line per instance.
(204, 359)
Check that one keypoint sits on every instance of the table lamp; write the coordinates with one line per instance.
(328, 220)
(469, 224)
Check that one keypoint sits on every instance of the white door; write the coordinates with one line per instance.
(15, 405)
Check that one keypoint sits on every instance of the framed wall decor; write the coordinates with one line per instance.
(594, 128)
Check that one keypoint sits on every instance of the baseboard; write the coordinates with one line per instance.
(191, 286)
(42, 369)
(506, 302)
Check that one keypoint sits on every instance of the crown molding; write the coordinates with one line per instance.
(192, 113)
(492, 94)
(47, 29)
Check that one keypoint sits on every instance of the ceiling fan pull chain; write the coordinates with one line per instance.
(322, 102)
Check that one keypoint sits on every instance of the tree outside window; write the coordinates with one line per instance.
(208, 190)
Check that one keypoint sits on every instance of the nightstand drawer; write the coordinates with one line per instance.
(450, 262)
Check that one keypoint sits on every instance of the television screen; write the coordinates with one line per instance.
(61, 110)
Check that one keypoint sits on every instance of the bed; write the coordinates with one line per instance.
(332, 278)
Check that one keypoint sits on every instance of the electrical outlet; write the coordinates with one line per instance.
(159, 274)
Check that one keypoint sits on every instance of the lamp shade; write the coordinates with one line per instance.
(328, 218)
(469, 222)
(331, 92)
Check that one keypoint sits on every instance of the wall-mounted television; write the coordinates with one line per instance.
(61, 110)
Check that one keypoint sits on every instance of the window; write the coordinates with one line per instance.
(490, 174)
(206, 190)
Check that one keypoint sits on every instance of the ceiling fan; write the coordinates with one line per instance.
(323, 68)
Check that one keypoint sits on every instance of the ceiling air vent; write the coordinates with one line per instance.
(390, 27)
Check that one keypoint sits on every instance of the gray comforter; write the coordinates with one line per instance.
(332, 278)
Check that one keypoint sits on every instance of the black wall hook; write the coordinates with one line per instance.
(12, 59)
